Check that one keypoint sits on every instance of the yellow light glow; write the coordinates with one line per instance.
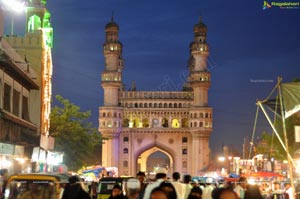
(221, 159)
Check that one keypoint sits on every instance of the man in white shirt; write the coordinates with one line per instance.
(209, 187)
(159, 178)
(179, 187)
(187, 185)
(288, 190)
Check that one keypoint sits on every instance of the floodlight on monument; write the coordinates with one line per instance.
(14, 6)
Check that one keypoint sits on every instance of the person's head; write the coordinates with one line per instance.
(196, 193)
(116, 191)
(187, 179)
(141, 176)
(169, 189)
(195, 183)
(228, 194)
(74, 179)
(243, 182)
(287, 185)
(161, 176)
(176, 176)
(276, 186)
(4, 173)
(158, 193)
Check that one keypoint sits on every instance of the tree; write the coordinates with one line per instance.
(73, 134)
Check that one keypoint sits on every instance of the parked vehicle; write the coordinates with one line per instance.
(106, 185)
(41, 185)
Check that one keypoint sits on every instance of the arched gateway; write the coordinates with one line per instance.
(150, 130)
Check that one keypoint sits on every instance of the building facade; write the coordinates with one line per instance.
(25, 85)
(155, 130)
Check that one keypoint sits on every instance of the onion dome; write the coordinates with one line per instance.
(200, 27)
(112, 24)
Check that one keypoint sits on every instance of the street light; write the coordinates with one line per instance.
(14, 6)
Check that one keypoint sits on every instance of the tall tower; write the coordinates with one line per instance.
(199, 81)
(111, 81)
(199, 78)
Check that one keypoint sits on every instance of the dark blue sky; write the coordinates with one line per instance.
(249, 48)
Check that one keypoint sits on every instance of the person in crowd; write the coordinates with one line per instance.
(195, 193)
(224, 193)
(288, 190)
(207, 191)
(195, 183)
(227, 193)
(3, 181)
(94, 186)
(238, 189)
(117, 193)
(169, 189)
(158, 193)
(75, 190)
(159, 178)
(187, 185)
(179, 187)
(277, 188)
(141, 176)
(251, 191)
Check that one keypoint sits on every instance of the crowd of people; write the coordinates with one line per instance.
(164, 188)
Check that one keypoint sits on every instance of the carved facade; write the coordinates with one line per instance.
(150, 130)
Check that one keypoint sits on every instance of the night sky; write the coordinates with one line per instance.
(249, 48)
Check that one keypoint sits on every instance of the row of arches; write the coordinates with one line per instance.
(192, 115)
(201, 115)
(158, 95)
(155, 105)
(156, 123)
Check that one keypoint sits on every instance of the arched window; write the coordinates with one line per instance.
(195, 124)
(104, 114)
(175, 105)
(125, 150)
(146, 105)
(201, 124)
(184, 140)
(165, 105)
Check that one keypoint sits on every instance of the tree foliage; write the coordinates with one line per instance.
(73, 134)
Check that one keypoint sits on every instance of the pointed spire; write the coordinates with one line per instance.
(200, 19)
(112, 16)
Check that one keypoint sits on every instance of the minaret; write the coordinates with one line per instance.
(199, 83)
(199, 78)
(112, 75)
(110, 114)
